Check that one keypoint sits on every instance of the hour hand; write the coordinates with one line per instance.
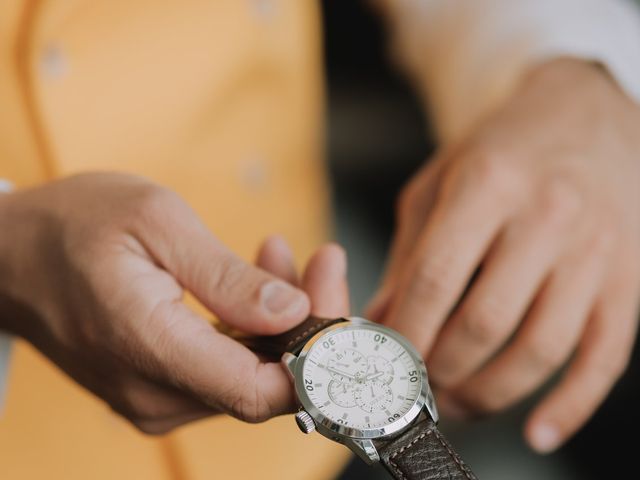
(373, 376)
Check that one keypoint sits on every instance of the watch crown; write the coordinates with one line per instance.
(305, 422)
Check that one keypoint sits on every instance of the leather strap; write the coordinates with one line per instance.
(273, 346)
(419, 453)
(422, 453)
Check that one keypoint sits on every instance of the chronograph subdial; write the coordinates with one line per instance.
(341, 394)
(373, 396)
(347, 365)
(379, 369)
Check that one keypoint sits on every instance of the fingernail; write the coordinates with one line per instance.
(544, 438)
(338, 265)
(279, 298)
(279, 243)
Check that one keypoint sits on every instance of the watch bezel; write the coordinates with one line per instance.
(334, 430)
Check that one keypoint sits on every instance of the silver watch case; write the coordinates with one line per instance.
(359, 440)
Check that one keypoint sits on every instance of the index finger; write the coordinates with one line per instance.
(450, 248)
(413, 207)
(191, 355)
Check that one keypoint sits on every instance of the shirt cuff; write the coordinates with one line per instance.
(6, 340)
(467, 57)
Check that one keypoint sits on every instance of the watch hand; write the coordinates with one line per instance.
(339, 372)
(373, 376)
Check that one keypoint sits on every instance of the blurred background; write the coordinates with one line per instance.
(378, 136)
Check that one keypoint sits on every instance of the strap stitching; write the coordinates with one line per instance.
(453, 455)
(394, 465)
(316, 327)
(403, 476)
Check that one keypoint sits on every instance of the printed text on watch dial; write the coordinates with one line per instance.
(361, 378)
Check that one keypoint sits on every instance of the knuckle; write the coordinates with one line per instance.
(603, 240)
(485, 323)
(560, 200)
(153, 203)
(245, 401)
(226, 277)
(432, 279)
(494, 171)
(249, 410)
(612, 366)
(545, 353)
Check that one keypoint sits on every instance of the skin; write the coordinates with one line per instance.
(517, 253)
(93, 273)
(539, 202)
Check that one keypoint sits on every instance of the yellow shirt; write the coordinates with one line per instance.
(220, 101)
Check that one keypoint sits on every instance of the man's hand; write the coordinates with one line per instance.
(522, 245)
(93, 272)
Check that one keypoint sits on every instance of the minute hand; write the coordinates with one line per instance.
(339, 372)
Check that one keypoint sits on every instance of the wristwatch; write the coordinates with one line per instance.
(363, 385)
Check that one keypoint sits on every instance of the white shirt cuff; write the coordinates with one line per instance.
(6, 340)
(468, 56)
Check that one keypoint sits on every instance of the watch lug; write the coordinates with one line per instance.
(358, 320)
(289, 361)
(430, 405)
(364, 448)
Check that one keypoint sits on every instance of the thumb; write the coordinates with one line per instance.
(240, 294)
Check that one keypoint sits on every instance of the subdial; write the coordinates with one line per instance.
(373, 396)
(379, 369)
(342, 394)
(347, 365)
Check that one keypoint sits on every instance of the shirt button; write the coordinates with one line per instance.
(5, 185)
(254, 175)
(53, 63)
(265, 9)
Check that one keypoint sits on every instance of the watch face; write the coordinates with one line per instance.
(362, 377)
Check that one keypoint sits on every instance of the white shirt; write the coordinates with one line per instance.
(469, 55)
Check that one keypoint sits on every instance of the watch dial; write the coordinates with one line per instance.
(361, 377)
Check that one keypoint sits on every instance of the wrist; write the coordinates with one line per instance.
(576, 78)
(15, 313)
(6, 187)
(6, 308)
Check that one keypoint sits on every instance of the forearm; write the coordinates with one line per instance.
(467, 58)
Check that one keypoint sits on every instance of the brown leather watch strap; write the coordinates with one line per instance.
(422, 453)
(272, 347)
